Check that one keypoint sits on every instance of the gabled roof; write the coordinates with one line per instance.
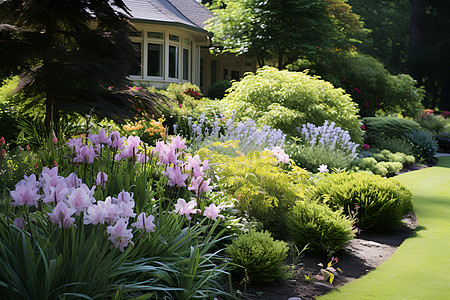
(184, 12)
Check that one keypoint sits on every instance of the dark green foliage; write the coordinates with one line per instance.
(381, 128)
(60, 53)
(431, 122)
(310, 158)
(443, 140)
(388, 22)
(396, 145)
(8, 126)
(379, 202)
(371, 86)
(218, 89)
(260, 255)
(425, 146)
(316, 225)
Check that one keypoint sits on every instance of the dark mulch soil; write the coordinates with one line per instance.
(359, 257)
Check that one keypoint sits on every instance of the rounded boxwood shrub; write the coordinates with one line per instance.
(314, 224)
(379, 203)
(259, 254)
(285, 100)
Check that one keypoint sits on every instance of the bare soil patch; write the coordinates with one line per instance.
(359, 257)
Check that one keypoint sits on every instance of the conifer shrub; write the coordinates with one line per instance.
(285, 100)
(377, 203)
(260, 255)
(314, 224)
(381, 128)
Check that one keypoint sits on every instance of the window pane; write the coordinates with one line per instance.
(173, 61)
(155, 35)
(185, 64)
(174, 38)
(155, 58)
(136, 66)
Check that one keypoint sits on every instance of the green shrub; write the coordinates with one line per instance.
(396, 145)
(285, 100)
(381, 201)
(384, 163)
(425, 146)
(265, 191)
(218, 89)
(316, 225)
(431, 122)
(371, 85)
(381, 128)
(260, 255)
(311, 158)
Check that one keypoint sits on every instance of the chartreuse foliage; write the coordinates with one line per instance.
(315, 225)
(385, 162)
(285, 100)
(259, 254)
(378, 202)
(264, 191)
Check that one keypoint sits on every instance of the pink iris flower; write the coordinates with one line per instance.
(61, 215)
(100, 138)
(186, 209)
(177, 143)
(144, 222)
(212, 212)
(119, 235)
(175, 176)
(101, 179)
(24, 195)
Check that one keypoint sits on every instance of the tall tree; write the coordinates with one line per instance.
(75, 52)
(285, 30)
(388, 24)
(429, 60)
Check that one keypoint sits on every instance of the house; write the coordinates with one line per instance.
(174, 45)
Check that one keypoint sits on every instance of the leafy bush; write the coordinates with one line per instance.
(264, 191)
(430, 122)
(260, 255)
(285, 100)
(218, 89)
(379, 202)
(425, 146)
(316, 225)
(443, 140)
(371, 85)
(310, 158)
(381, 128)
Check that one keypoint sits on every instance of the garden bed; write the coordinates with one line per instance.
(359, 257)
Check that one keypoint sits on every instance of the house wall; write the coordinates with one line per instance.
(187, 39)
(204, 68)
(224, 66)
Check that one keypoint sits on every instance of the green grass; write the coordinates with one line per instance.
(420, 268)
